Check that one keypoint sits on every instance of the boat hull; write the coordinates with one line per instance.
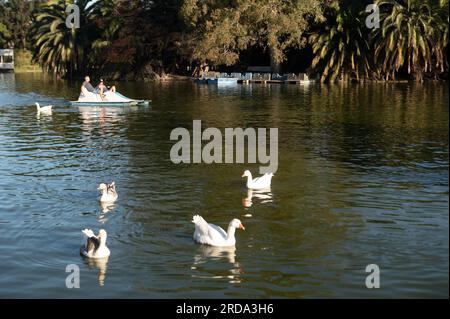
(117, 104)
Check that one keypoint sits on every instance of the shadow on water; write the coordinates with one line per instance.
(362, 178)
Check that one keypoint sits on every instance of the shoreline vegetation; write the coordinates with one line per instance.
(23, 62)
(179, 39)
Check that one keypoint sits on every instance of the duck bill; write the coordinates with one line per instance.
(241, 227)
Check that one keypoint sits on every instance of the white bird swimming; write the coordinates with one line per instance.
(95, 246)
(108, 192)
(262, 182)
(44, 109)
(210, 234)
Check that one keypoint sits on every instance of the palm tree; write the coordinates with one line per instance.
(443, 38)
(412, 37)
(58, 48)
(340, 47)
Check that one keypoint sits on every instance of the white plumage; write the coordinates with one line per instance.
(213, 235)
(262, 182)
(108, 192)
(94, 246)
(44, 109)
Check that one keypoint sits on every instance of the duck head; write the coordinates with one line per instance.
(236, 223)
(247, 174)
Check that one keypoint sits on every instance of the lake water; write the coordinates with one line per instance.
(362, 179)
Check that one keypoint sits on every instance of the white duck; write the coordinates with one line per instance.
(95, 246)
(108, 192)
(210, 234)
(262, 182)
(44, 109)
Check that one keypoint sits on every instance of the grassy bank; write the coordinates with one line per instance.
(23, 62)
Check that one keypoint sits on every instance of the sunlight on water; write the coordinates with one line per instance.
(362, 179)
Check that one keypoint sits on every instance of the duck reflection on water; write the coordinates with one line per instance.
(207, 254)
(264, 196)
(101, 264)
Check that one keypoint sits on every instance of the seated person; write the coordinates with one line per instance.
(87, 84)
(87, 90)
(102, 89)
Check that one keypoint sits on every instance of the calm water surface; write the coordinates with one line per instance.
(362, 179)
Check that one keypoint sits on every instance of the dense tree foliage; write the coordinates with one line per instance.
(412, 40)
(413, 36)
(16, 16)
(142, 39)
(4, 35)
(341, 45)
(223, 29)
(139, 38)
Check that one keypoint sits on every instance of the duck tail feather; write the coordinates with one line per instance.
(88, 233)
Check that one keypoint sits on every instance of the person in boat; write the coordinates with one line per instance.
(87, 85)
(102, 89)
(88, 91)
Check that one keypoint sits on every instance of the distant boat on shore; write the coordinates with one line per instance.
(252, 77)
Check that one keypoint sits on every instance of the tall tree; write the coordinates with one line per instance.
(16, 15)
(58, 48)
(341, 45)
(413, 37)
(223, 29)
(139, 38)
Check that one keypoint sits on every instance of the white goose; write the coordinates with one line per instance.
(262, 182)
(108, 192)
(212, 235)
(44, 109)
(95, 246)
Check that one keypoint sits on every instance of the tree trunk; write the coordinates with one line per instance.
(274, 65)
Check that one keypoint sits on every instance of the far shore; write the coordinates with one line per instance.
(185, 78)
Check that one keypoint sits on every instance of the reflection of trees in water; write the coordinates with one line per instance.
(47, 85)
(7, 81)
(338, 121)
(378, 124)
